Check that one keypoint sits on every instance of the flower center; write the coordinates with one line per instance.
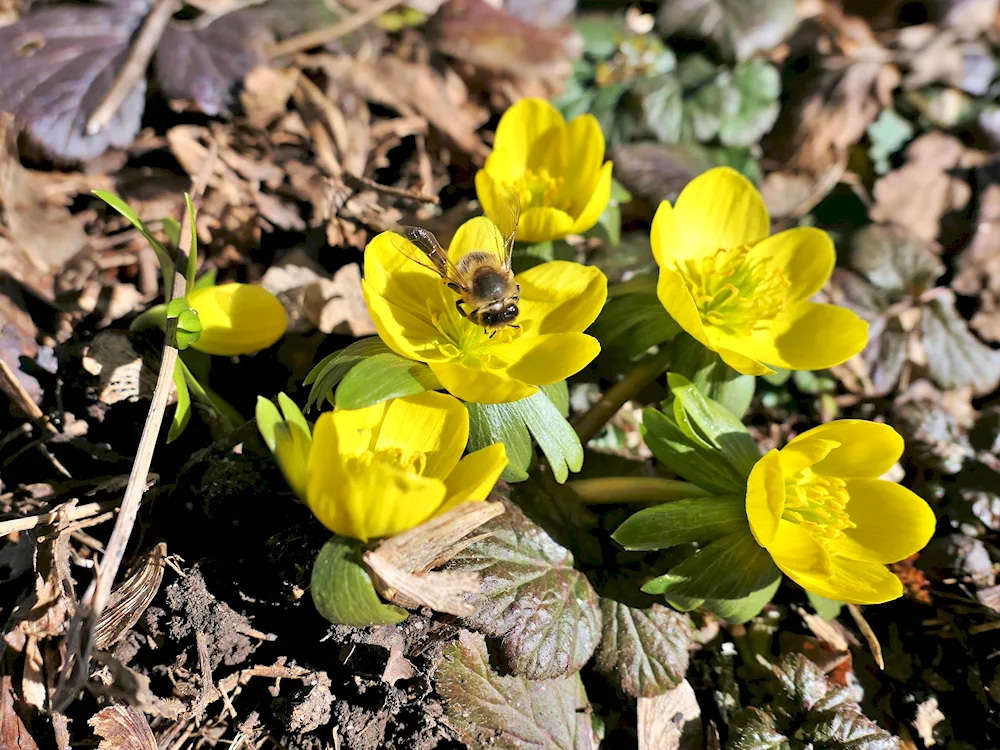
(414, 463)
(733, 291)
(463, 339)
(818, 504)
(538, 189)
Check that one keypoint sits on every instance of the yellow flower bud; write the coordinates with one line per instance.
(237, 318)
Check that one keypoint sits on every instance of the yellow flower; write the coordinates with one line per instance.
(818, 507)
(237, 318)
(557, 170)
(377, 471)
(288, 437)
(742, 293)
(414, 314)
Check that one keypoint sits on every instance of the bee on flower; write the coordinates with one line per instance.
(375, 472)
(745, 294)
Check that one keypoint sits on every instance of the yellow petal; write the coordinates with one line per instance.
(852, 581)
(805, 255)
(719, 209)
(406, 334)
(801, 454)
(291, 451)
(237, 318)
(665, 236)
(679, 304)
(476, 234)
(575, 153)
(798, 554)
(592, 201)
(743, 364)
(867, 449)
(544, 224)
(353, 431)
(431, 423)
(479, 385)
(808, 336)
(549, 358)
(765, 498)
(398, 279)
(503, 165)
(475, 475)
(492, 194)
(892, 522)
(521, 127)
(562, 296)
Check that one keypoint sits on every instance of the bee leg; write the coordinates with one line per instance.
(511, 325)
(491, 333)
(461, 310)
(453, 286)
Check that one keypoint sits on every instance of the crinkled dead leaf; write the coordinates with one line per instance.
(644, 650)
(739, 27)
(265, 94)
(13, 733)
(545, 612)
(671, 720)
(203, 64)
(121, 727)
(122, 373)
(491, 711)
(916, 196)
(130, 598)
(56, 65)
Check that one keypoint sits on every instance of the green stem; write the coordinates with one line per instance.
(590, 423)
(634, 490)
(154, 317)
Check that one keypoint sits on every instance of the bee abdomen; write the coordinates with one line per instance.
(488, 283)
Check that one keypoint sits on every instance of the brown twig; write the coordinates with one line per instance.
(319, 37)
(413, 195)
(134, 69)
(10, 385)
(80, 639)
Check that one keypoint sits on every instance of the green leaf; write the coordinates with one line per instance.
(619, 193)
(739, 27)
(192, 260)
(558, 394)
(702, 418)
(955, 357)
(887, 135)
(828, 609)
(646, 650)
(164, 257)
(633, 319)
(206, 279)
(754, 729)
(693, 460)
(325, 376)
(894, 261)
(182, 411)
(759, 86)
(698, 519)
(511, 423)
(172, 228)
(383, 376)
(713, 377)
(663, 107)
(342, 591)
(611, 222)
(732, 574)
(490, 711)
(545, 611)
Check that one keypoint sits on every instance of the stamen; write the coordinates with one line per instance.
(539, 189)
(818, 504)
(414, 463)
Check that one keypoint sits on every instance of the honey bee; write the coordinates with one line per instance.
(483, 279)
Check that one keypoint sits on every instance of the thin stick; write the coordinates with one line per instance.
(134, 69)
(413, 195)
(591, 422)
(319, 37)
(61, 513)
(10, 385)
(868, 633)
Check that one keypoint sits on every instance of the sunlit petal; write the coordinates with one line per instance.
(480, 385)
(478, 234)
(548, 358)
(665, 237)
(765, 498)
(406, 333)
(719, 209)
(543, 224)
(798, 554)
(679, 304)
(431, 423)
(561, 296)
(800, 453)
(237, 318)
(867, 449)
(592, 201)
(808, 336)
(805, 256)
(852, 581)
(522, 125)
(475, 475)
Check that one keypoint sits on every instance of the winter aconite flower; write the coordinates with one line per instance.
(374, 472)
(237, 318)
(745, 294)
(556, 168)
(818, 507)
(415, 315)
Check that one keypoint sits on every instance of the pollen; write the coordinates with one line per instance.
(735, 291)
(818, 504)
(540, 189)
(414, 463)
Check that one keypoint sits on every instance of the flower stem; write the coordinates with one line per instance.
(634, 490)
(590, 423)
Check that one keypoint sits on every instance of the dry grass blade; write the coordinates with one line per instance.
(121, 727)
(868, 633)
(130, 599)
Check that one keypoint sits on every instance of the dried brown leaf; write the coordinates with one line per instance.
(122, 373)
(121, 727)
(928, 716)
(131, 598)
(265, 94)
(13, 733)
(671, 721)
(337, 305)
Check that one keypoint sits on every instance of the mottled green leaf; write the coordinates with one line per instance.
(759, 86)
(887, 135)
(739, 27)
(544, 610)
(644, 650)
(754, 729)
(491, 712)
(955, 357)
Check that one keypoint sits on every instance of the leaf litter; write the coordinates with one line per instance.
(872, 123)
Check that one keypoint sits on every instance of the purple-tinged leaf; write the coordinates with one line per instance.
(55, 67)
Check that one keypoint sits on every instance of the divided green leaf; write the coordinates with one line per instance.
(646, 650)
(330, 370)
(713, 377)
(491, 711)
(383, 376)
(699, 519)
(633, 319)
(545, 612)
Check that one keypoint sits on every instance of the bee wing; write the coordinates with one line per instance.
(505, 216)
(431, 255)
